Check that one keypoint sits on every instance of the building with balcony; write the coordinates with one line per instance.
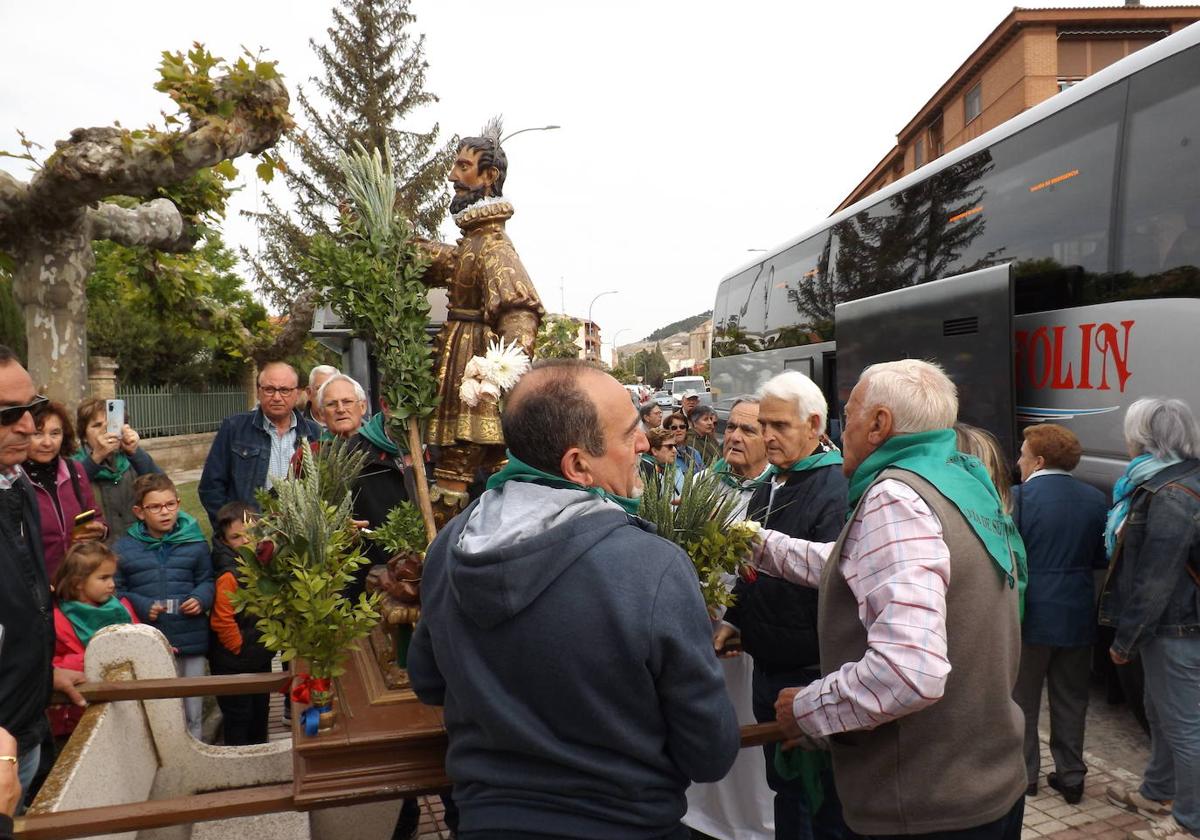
(1032, 55)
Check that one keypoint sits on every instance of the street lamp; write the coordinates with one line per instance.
(590, 305)
(617, 335)
(523, 130)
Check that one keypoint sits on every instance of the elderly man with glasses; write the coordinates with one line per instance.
(253, 449)
(26, 673)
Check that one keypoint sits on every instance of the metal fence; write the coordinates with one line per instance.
(160, 411)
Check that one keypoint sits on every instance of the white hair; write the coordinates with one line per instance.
(919, 394)
(1163, 427)
(322, 370)
(359, 393)
(794, 387)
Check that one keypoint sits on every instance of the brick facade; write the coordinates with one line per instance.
(1019, 65)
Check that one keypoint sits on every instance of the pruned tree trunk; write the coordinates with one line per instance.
(47, 226)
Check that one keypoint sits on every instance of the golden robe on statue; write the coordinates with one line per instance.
(490, 296)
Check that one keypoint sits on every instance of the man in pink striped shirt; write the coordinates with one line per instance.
(918, 623)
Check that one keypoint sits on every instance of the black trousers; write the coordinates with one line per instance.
(244, 716)
(792, 818)
(1066, 672)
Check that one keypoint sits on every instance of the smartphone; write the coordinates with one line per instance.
(85, 517)
(115, 411)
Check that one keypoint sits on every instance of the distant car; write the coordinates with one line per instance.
(664, 400)
(722, 407)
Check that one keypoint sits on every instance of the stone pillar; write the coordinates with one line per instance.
(250, 384)
(102, 377)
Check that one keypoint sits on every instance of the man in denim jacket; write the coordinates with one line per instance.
(1152, 598)
(252, 450)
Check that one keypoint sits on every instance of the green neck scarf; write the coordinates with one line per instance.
(730, 478)
(963, 481)
(518, 470)
(821, 458)
(186, 530)
(114, 474)
(374, 431)
(88, 619)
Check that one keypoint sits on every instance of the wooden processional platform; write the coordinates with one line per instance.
(384, 743)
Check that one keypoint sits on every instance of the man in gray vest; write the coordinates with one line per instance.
(920, 584)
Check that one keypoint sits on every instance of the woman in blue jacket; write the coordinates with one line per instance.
(165, 570)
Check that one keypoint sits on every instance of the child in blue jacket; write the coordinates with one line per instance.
(165, 571)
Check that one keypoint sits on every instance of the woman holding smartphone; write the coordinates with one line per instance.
(65, 500)
(112, 462)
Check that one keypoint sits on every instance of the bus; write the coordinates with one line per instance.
(1089, 203)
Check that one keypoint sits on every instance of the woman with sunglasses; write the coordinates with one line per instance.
(61, 486)
(659, 463)
(686, 458)
(112, 463)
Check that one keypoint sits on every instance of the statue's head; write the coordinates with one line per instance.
(478, 171)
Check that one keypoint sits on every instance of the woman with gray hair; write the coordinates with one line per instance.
(1152, 598)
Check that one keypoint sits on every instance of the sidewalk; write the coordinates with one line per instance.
(1047, 815)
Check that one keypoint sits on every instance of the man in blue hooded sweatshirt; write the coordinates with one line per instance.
(569, 645)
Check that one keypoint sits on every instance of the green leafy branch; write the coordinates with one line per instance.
(303, 558)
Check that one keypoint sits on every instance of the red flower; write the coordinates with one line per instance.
(264, 552)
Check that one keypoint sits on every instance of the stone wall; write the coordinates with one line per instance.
(179, 452)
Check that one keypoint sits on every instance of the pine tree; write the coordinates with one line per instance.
(373, 81)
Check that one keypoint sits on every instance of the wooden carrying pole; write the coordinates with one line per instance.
(418, 457)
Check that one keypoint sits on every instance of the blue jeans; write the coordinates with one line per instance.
(1172, 667)
(27, 766)
(792, 819)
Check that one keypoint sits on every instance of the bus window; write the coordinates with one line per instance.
(741, 315)
(800, 307)
(1043, 195)
(1160, 193)
(878, 249)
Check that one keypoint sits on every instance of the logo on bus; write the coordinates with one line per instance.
(1083, 357)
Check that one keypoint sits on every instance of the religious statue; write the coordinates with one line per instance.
(490, 296)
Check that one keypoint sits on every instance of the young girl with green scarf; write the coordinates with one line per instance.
(84, 586)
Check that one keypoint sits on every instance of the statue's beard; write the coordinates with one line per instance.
(463, 200)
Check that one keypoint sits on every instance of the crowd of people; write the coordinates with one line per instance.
(899, 619)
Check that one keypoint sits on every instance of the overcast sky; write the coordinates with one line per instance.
(691, 131)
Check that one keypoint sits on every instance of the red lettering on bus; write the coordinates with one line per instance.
(1041, 357)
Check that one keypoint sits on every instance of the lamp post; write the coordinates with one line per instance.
(589, 318)
(523, 130)
(617, 335)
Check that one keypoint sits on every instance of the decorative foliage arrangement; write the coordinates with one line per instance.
(402, 532)
(486, 378)
(703, 523)
(372, 275)
(304, 555)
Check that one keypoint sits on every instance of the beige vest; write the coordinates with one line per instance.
(955, 764)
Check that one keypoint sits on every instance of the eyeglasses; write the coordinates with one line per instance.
(675, 428)
(667, 446)
(13, 413)
(159, 508)
(272, 391)
(345, 405)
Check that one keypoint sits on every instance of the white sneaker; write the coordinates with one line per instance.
(1131, 800)
(1164, 829)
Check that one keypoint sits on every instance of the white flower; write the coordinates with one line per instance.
(468, 392)
(489, 391)
(508, 364)
(748, 525)
(472, 371)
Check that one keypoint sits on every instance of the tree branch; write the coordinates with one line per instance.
(155, 224)
(99, 162)
(294, 333)
(12, 200)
